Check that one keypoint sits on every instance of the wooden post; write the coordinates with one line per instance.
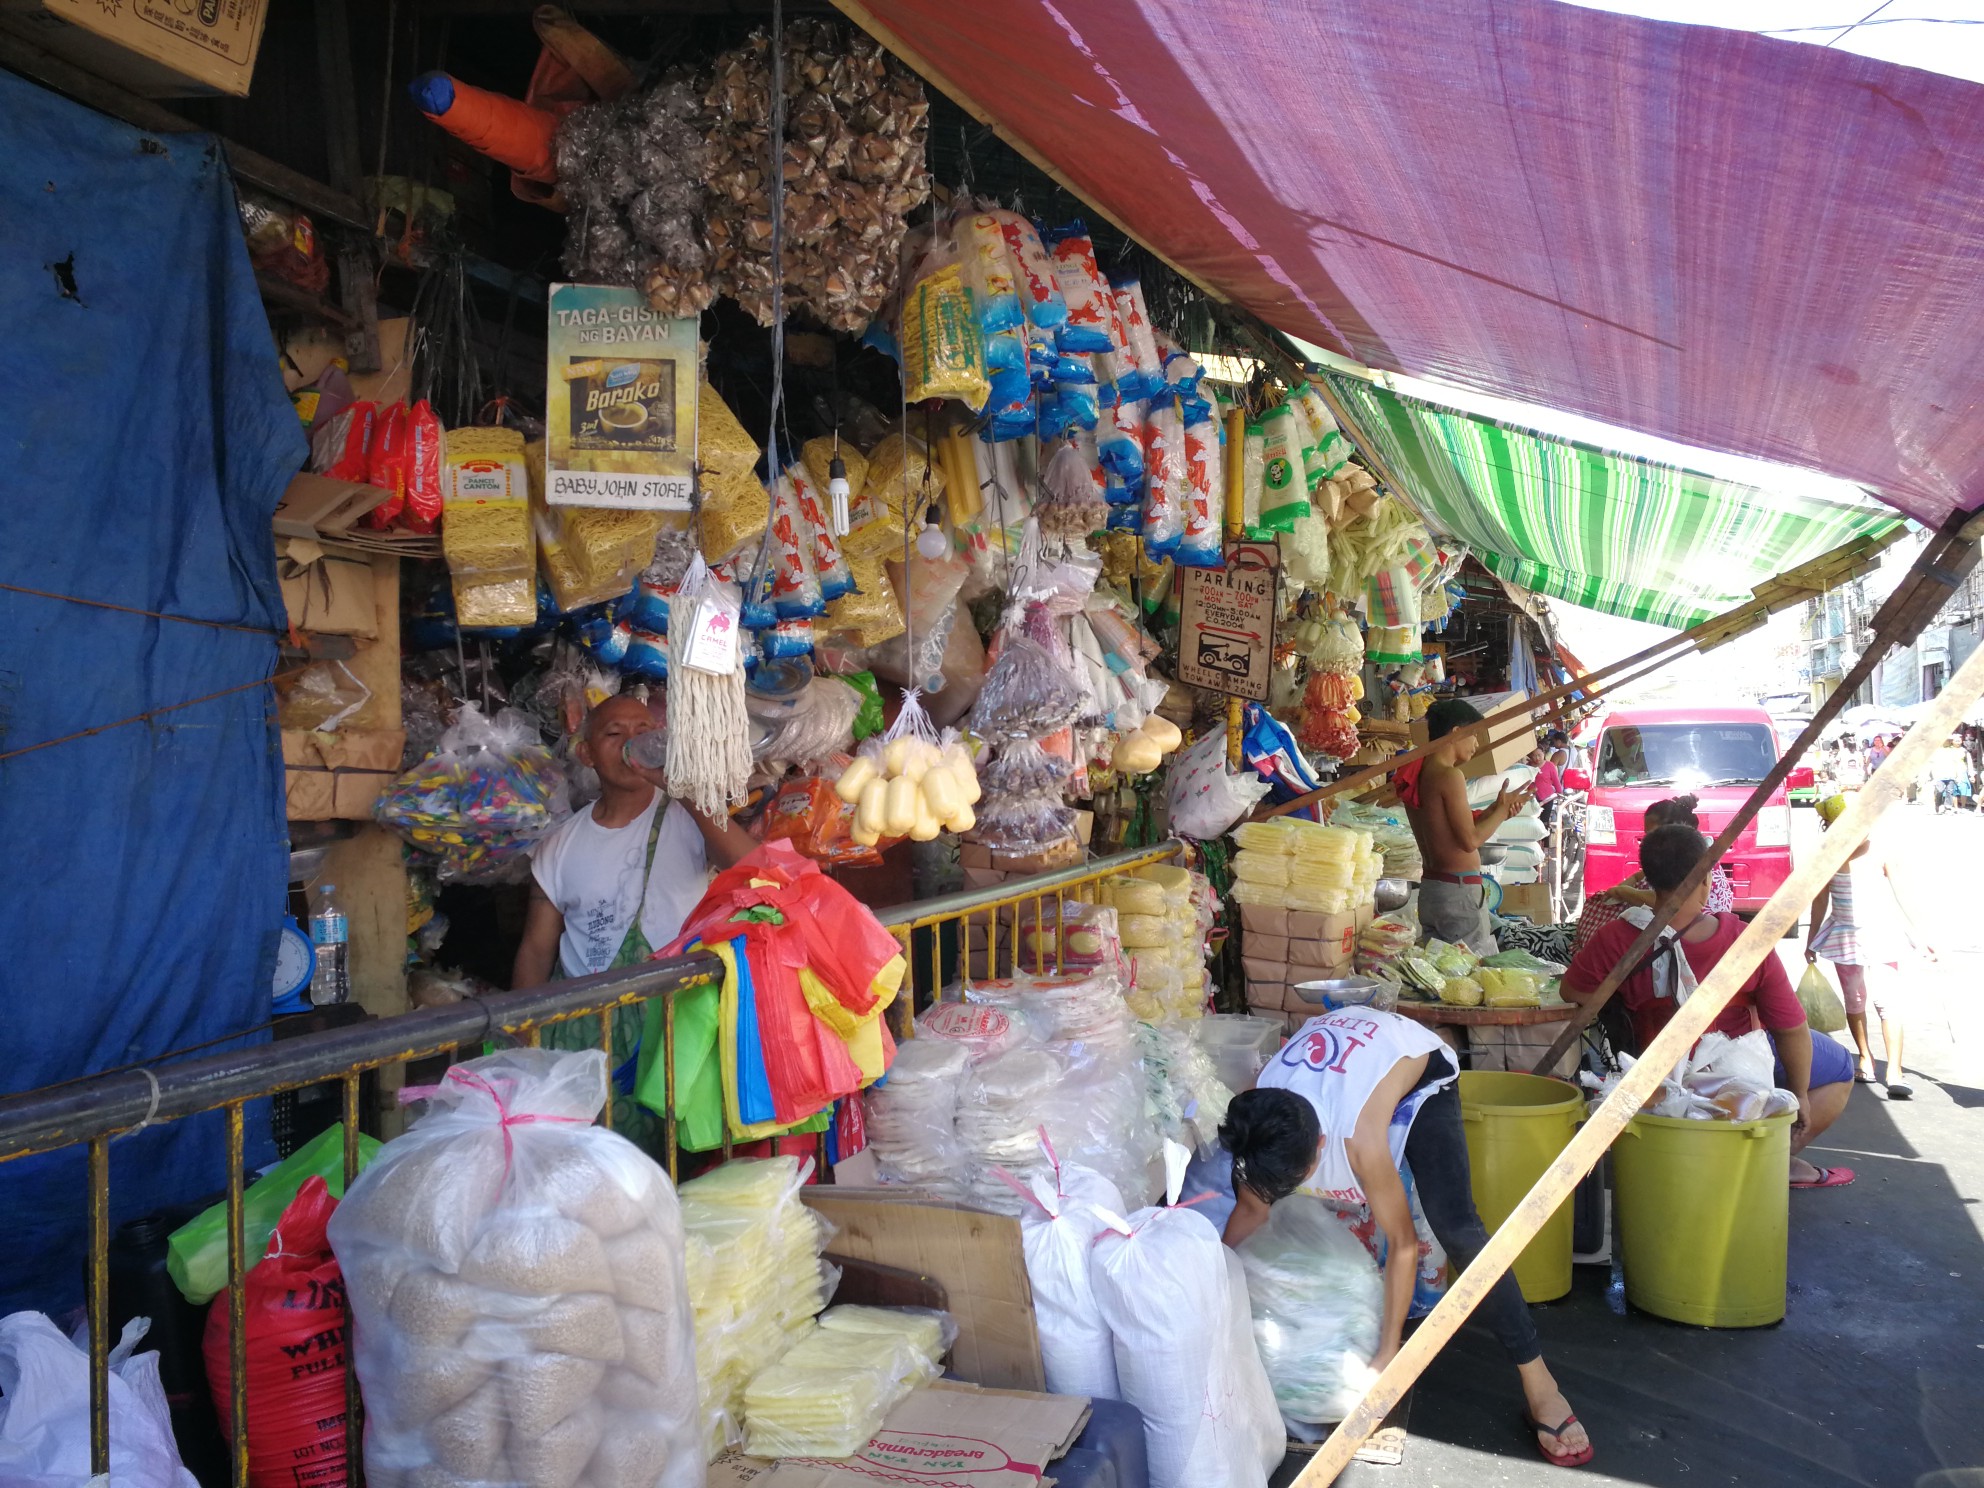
(1690, 1021)
(1935, 572)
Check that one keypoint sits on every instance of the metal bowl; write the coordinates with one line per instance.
(1493, 853)
(1336, 992)
(1392, 894)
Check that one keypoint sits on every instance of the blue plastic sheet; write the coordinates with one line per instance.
(146, 439)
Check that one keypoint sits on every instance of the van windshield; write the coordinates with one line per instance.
(1690, 756)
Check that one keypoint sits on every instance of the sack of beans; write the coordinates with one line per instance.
(517, 1296)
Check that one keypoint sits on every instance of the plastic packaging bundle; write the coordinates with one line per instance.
(1070, 505)
(1083, 289)
(1167, 479)
(794, 1411)
(1284, 495)
(795, 591)
(900, 478)
(486, 528)
(1317, 1302)
(1188, 1099)
(822, 551)
(912, 1115)
(917, 658)
(983, 1031)
(517, 1290)
(1000, 1105)
(1205, 497)
(907, 1367)
(943, 344)
(1058, 1228)
(1263, 868)
(1185, 1352)
(1029, 693)
(482, 798)
(929, 1332)
(1140, 370)
(991, 273)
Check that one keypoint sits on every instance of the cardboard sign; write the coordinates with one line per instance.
(1226, 635)
(620, 402)
(947, 1435)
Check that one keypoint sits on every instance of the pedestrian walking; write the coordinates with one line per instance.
(1860, 924)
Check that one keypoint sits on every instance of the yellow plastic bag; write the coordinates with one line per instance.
(1824, 1011)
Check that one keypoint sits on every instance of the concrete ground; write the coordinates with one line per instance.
(1876, 1376)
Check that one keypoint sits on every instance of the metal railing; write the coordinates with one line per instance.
(96, 1111)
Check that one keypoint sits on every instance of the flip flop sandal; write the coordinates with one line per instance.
(1900, 1090)
(1829, 1178)
(1557, 1459)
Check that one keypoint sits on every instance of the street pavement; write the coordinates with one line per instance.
(1876, 1377)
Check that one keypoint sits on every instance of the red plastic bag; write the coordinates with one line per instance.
(296, 1333)
(422, 512)
(341, 449)
(387, 465)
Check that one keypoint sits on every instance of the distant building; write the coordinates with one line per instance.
(1839, 628)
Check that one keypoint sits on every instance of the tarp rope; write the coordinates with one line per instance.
(104, 728)
(104, 604)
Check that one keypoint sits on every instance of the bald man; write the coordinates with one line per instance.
(618, 878)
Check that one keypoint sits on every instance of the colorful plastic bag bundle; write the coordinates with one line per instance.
(517, 1290)
(488, 792)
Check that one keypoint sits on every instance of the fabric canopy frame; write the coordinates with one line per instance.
(1731, 241)
(1611, 532)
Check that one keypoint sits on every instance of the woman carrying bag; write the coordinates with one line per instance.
(1859, 923)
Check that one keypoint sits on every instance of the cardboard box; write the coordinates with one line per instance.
(1261, 970)
(1314, 958)
(1491, 761)
(157, 48)
(973, 1254)
(1363, 915)
(326, 592)
(1267, 994)
(947, 1432)
(338, 776)
(1529, 901)
(1256, 920)
(1266, 947)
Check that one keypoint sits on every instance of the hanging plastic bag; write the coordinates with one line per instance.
(795, 592)
(1205, 498)
(1824, 1011)
(1206, 798)
(1284, 495)
(1083, 289)
(1070, 505)
(994, 279)
(196, 1252)
(45, 1412)
(822, 551)
(481, 799)
(1166, 481)
(1039, 290)
(296, 1335)
(1317, 1303)
(1139, 365)
(943, 341)
(516, 1283)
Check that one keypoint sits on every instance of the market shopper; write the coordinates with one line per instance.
(615, 880)
(1549, 783)
(1453, 901)
(1353, 1096)
(1814, 1069)
(1860, 924)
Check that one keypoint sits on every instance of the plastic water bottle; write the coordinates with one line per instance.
(648, 751)
(330, 936)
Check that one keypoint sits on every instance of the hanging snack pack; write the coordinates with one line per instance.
(990, 271)
(810, 498)
(943, 345)
(486, 528)
(1142, 366)
(1083, 289)
(516, 1280)
(1284, 493)
(794, 592)
(1167, 480)
(1204, 500)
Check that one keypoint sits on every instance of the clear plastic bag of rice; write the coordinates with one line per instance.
(519, 1308)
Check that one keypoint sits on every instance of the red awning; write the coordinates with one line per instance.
(1736, 242)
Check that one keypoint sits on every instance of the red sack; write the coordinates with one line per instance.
(296, 1330)
(423, 477)
(387, 464)
(342, 448)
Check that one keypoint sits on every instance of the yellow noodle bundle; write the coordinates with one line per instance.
(1134, 896)
(721, 443)
(1260, 867)
(870, 612)
(1275, 835)
(818, 455)
(735, 510)
(895, 487)
(1313, 840)
(1320, 873)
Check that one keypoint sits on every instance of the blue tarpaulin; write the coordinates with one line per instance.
(144, 441)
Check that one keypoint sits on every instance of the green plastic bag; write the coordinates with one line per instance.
(196, 1252)
(1824, 1012)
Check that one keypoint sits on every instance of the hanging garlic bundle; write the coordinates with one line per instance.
(709, 731)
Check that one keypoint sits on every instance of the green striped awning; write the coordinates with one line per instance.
(1607, 531)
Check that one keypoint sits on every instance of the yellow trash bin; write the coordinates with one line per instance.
(1702, 1210)
(1516, 1125)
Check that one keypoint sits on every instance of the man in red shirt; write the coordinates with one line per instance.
(1818, 1071)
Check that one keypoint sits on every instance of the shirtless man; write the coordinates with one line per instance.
(1453, 903)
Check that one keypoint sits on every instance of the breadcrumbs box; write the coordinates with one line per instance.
(158, 48)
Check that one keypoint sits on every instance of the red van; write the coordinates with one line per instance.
(1717, 755)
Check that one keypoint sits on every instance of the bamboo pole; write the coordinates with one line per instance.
(1236, 528)
(1929, 580)
(1690, 1021)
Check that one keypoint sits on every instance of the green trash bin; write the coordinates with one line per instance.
(1516, 1125)
(1702, 1211)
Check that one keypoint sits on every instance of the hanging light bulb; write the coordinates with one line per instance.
(837, 489)
(931, 541)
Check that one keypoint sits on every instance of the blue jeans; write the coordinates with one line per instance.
(1436, 1149)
